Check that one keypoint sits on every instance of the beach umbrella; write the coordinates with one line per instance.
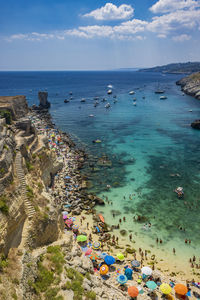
(104, 270)
(133, 291)
(93, 256)
(120, 256)
(181, 289)
(88, 252)
(68, 222)
(146, 271)
(151, 285)
(165, 288)
(103, 255)
(81, 238)
(64, 217)
(75, 227)
(122, 279)
(101, 218)
(128, 272)
(109, 260)
(96, 245)
(64, 213)
(135, 263)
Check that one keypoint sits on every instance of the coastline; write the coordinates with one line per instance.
(90, 216)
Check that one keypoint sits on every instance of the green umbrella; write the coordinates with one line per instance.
(151, 285)
(81, 238)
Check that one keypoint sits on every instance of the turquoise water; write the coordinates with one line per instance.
(149, 149)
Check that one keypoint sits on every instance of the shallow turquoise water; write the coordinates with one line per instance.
(144, 146)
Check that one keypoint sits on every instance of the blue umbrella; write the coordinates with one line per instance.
(135, 263)
(122, 279)
(103, 255)
(109, 260)
(128, 272)
(151, 285)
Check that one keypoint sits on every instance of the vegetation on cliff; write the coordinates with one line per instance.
(182, 68)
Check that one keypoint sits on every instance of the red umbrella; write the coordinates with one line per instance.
(68, 222)
(88, 252)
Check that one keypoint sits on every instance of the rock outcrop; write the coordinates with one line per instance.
(191, 85)
(44, 103)
(196, 124)
(16, 105)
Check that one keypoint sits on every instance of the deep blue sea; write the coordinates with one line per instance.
(146, 150)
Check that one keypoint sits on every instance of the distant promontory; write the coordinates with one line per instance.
(175, 68)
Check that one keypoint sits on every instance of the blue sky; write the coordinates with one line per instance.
(97, 34)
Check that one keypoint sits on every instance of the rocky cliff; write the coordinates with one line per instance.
(191, 85)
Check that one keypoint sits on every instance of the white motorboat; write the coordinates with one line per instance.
(107, 105)
(163, 97)
(83, 100)
(109, 92)
(131, 93)
(110, 86)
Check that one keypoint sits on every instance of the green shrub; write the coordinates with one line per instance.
(87, 275)
(7, 115)
(57, 258)
(68, 285)
(51, 293)
(29, 166)
(3, 262)
(90, 295)
(3, 206)
(44, 279)
(29, 192)
(2, 171)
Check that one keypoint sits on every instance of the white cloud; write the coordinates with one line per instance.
(112, 12)
(165, 6)
(181, 38)
(175, 21)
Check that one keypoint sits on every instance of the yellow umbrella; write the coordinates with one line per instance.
(165, 288)
(120, 256)
(104, 270)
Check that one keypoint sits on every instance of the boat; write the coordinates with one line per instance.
(96, 98)
(114, 101)
(83, 100)
(109, 86)
(71, 98)
(109, 92)
(70, 93)
(159, 91)
(104, 100)
(134, 103)
(163, 97)
(66, 101)
(114, 96)
(91, 116)
(131, 93)
(96, 103)
(107, 105)
(190, 110)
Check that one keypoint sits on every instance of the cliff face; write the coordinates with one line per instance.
(26, 170)
(191, 85)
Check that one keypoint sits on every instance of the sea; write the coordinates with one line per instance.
(140, 150)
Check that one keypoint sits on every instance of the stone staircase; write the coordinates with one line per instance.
(29, 209)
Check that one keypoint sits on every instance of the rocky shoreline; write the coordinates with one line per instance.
(190, 85)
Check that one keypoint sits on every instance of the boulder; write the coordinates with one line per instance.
(196, 124)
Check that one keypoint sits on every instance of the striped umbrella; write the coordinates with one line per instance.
(96, 245)
(93, 256)
(88, 252)
(135, 263)
(122, 279)
(75, 227)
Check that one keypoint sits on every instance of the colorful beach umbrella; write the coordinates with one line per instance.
(81, 238)
(133, 291)
(75, 227)
(88, 252)
(122, 279)
(120, 256)
(146, 271)
(165, 288)
(101, 218)
(181, 289)
(151, 285)
(96, 245)
(104, 270)
(135, 263)
(93, 256)
(64, 217)
(109, 260)
(69, 222)
(103, 255)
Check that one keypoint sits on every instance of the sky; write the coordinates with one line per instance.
(97, 34)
